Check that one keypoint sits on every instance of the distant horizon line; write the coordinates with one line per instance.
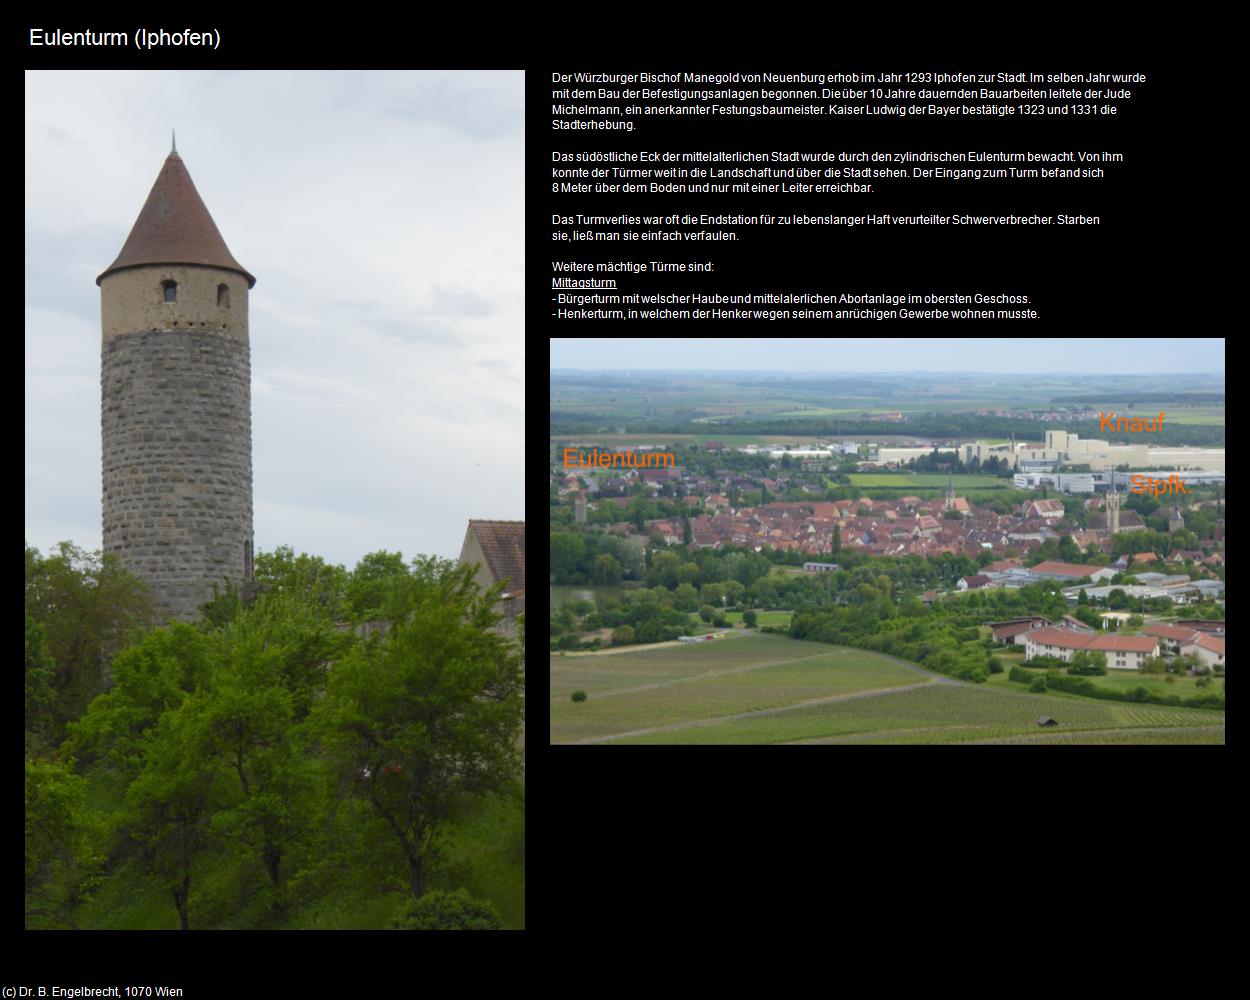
(781, 371)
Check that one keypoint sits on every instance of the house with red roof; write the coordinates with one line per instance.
(1015, 630)
(1123, 652)
(1049, 509)
(1071, 572)
(1208, 648)
(1171, 638)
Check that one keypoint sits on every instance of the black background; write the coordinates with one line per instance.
(1138, 273)
(634, 852)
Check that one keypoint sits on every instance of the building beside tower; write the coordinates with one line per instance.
(497, 550)
(176, 417)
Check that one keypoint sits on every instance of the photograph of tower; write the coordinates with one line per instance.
(176, 401)
(275, 530)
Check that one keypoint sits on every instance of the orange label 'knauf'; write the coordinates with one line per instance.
(1109, 422)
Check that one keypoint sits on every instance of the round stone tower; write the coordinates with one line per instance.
(176, 411)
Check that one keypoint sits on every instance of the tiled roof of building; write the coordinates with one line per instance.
(1078, 640)
(503, 545)
(174, 227)
(1002, 564)
(1059, 637)
(1169, 632)
(1006, 631)
(1214, 643)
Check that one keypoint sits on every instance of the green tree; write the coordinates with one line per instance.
(312, 577)
(373, 582)
(1152, 665)
(638, 513)
(567, 552)
(65, 844)
(750, 618)
(686, 598)
(446, 911)
(1088, 663)
(247, 724)
(169, 806)
(837, 540)
(733, 591)
(227, 604)
(303, 640)
(713, 594)
(89, 608)
(429, 715)
(688, 572)
(623, 636)
(151, 678)
(39, 692)
(764, 593)
(663, 571)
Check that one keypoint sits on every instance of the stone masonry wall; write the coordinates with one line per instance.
(177, 435)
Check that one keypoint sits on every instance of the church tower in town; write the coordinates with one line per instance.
(1113, 509)
(176, 414)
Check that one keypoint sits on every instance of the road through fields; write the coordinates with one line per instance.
(557, 699)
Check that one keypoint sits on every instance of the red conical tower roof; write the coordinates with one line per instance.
(175, 228)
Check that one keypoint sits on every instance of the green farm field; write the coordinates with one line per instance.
(1174, 413)
(690, 683)
(937, 713)
(771, 689)
(1121, 680)
(764, 617)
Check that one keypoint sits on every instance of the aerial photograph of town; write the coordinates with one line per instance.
(887, 541)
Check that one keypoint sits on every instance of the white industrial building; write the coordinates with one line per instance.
(1063, 448)
(1177, 595)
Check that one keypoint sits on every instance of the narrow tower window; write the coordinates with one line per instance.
(223, 296)
(247, 560)
(171, 290)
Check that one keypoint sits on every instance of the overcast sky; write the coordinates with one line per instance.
(1083, 355)
(381, 213)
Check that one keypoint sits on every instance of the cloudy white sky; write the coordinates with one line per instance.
(1090, 355)
(381, 213)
